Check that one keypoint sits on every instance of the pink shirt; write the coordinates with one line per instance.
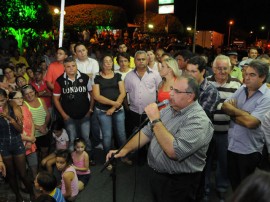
(79, 162)
(74, 182)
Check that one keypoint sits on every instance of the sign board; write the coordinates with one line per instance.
(166, 9)
(165, 1)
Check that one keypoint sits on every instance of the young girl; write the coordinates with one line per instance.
(61, 137)
(46, 183)
(69, 181)
(81, 162)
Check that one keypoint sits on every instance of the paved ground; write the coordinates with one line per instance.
(132, 185)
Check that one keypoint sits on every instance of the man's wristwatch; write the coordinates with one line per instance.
(153, 123)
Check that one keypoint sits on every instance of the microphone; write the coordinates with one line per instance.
(164, 102)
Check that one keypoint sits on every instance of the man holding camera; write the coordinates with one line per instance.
(71, 98)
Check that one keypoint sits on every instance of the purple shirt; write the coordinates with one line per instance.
(142, 91)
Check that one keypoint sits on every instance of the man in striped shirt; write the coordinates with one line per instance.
(179, 136)
(226, 85)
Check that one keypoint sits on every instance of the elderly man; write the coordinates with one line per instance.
(226, 85)
(247, 108)
(179, 136)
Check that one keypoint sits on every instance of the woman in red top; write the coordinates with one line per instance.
(169, 71)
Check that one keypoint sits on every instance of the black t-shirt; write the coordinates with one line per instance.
(74, 96)
(109, 88)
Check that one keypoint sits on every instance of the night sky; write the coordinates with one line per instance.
(212, 14)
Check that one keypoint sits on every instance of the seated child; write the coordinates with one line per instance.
(81, 162)
(62, 140)
(45, 183)
(69, 181)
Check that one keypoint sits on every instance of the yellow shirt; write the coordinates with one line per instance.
(131, 63)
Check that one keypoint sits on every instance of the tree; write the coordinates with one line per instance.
(24, 19)
(159, 23)
(91, 15)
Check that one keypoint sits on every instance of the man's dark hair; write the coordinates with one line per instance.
(198, 60)
(261, 67)
(186, 54)
(253, 188)
(47, 181)
(63, 49)
(79, 44)
(124, 55)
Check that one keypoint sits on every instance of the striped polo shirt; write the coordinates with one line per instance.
(192, 131)
(221, 120)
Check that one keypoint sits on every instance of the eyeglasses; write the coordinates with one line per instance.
(222, 68)
(178, 91)
(141, 59)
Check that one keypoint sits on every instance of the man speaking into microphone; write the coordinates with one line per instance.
(179, 136)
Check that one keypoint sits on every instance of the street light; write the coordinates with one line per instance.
(267, 38)
(229, 33)
(144, 17)
(195, 28)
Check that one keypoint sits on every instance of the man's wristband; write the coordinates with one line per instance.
(153, 123)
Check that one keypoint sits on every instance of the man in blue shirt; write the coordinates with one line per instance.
(247, 108)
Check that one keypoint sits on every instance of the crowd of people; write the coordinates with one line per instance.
(218, 114)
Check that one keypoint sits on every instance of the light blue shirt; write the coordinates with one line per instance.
(142, 91)
(241, 139)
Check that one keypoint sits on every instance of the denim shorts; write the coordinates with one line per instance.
(84, 178)
(11, 146)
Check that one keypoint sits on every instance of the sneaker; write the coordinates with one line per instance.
(127, 161)
(109, 167)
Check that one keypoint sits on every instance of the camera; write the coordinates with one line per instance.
(71, 96)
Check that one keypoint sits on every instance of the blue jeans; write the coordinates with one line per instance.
(95, 129)
(75, 125)
(108, 124)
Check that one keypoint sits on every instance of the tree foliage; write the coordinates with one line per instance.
(91, 15)
(24, 19)
(159, 23)
(25, 14)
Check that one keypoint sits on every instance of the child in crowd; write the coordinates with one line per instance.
(81, 162)
(69, 181)
(45, 183)
(61, 137)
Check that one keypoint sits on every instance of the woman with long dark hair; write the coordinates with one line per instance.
(11, 145)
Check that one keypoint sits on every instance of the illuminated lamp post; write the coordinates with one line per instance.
(144, 17)
(195, 28)
(229, 33)
(61, 28)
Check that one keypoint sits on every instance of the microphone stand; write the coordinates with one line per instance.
(112, 160)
